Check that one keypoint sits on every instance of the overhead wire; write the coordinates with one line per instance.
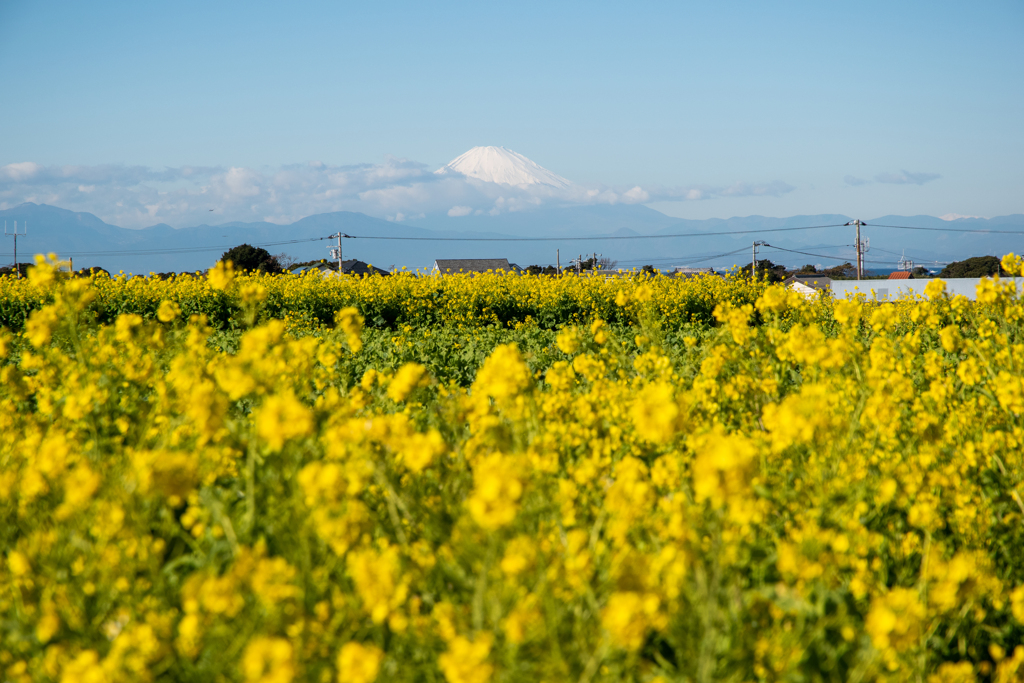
(825, 256)
(188, 250)
(586, 238)
(683, 258)
(911, 227)
(178, 250)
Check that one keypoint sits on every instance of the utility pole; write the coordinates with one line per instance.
(753, 257)
(336, 251)
(24, 231)
(860, 248)
(558, 261)
(860, 259)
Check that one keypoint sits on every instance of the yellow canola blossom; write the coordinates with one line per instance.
(244, 477)
(358, 663)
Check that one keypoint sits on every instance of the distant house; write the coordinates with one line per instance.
(901, 275)
(350, 267)
(808, 285)
(687, 273)
(473, 265)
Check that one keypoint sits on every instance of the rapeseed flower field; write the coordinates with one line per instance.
(507, 478)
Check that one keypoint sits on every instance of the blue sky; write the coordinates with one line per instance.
(860, 108)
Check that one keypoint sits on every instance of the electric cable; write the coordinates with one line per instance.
(178, 250)
(188, 250)
(834, 258)
(910, 227)
(592, 237)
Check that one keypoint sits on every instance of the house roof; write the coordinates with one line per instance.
(355, 267)
(812, 281)
(900, 275)
(350, 267)
(471, 265)
(688, 273)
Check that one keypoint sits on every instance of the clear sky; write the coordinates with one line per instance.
(861, 108)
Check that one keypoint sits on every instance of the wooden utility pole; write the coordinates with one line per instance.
(860, 256)
(860, 248)
(24, 231)
(336, 251)
(753, 257)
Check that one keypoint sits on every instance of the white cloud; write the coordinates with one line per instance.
(398, 189)
(906, 178)
(19, 171)
(775, 188)
(241, 182)
(637, 195)
(854, 181)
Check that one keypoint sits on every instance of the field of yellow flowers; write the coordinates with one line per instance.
(507, 478)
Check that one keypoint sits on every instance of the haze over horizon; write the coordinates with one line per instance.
(192, 113)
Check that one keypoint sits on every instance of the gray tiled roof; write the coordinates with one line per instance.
(350, 267)
(471, 265)
(355, 267)
(812, 281)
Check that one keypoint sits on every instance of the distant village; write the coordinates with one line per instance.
(808, 280)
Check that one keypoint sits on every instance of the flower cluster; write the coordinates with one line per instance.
(773, 489)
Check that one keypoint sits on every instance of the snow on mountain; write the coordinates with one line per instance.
(503, 166)
(955, 216)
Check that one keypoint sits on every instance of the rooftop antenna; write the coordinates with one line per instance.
(904, 263)
(24, 231)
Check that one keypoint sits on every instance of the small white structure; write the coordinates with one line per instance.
(888, 290)
(808, 285)
(472, 265)
(687, 273)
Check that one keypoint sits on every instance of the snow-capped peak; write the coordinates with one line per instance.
(500, 165)
(955, 216)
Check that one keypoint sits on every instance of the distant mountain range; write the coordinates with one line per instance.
(638, 233)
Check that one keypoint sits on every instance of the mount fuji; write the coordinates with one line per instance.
(504, 167)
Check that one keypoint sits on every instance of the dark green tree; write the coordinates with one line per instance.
(775, 273)
(250, 258)
(846, 271)
(978, 266)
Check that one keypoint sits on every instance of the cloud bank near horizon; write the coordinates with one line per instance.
(900, 178)
(397, 189)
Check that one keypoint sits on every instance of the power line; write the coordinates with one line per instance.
(834, 258)
(909, 227)
(191, 250)
(689, 234)
(593, 237)
(677, 259)
(179, 250)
